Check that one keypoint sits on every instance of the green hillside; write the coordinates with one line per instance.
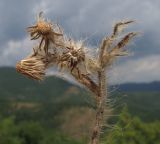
(55, 94)
(21, 95)
(57, 105)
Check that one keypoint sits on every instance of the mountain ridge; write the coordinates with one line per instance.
(10, 74)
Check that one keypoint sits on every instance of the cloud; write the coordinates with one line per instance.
(143, 69)
(15, 17)
(100, 14)
(14, 51)
(81, 18)
(95, 18)
(92, 19)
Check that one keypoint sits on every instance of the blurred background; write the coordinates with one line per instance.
(58, 112)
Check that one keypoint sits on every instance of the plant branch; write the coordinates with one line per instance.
(54, 48)
(87, 81)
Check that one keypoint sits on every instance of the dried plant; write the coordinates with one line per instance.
(55, 48)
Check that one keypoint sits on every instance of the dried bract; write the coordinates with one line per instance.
(32, 67)
(120, 26)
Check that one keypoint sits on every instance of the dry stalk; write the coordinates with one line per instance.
(55, 48)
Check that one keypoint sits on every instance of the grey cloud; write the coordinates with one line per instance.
(100, 14)
(14, 15)
(14, 51)
(96, 17)
(90, 19)
(145, 69)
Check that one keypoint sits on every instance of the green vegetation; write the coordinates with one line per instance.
(29, 133)
(145, 105)
(131, 130)
(33, 112)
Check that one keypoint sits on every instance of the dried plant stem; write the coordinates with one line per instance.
(56, 49)
(86, 81)
(102, 93)
(100, 99)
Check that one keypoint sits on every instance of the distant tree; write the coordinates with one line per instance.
(131, 130)
(31, 132)
(9, 132)
(55, 138)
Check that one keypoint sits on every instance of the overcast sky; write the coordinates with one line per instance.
(87, 18)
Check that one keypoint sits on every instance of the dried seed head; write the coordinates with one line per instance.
(48, 33)
(44, 27)
(32, 67)
(41, 28)
(72, 56)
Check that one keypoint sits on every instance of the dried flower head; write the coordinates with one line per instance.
(41, 28)
(48, 33)
(32, 67)
(73, 55)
